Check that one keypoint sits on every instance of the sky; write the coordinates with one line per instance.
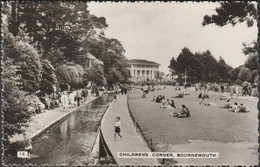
(158, 31)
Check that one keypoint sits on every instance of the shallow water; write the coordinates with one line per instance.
(70, 142)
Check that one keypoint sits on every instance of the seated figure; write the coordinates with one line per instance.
(227, 105)
(242, 108)
(234, 108)
(182, 114)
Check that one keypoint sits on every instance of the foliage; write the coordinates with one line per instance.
(16, 106)
(238, 82)
(95, 74)
(254, 74)
(244, 74)
(69, 75)
(49, 78)
(250, 48)
(233, 13)
(27, 60)
(234, 73)
(201, 66)
(251, 62)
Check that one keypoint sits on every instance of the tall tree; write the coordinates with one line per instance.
(201, 66)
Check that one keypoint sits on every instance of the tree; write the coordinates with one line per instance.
(16, 107)
(233, 13)
(244, 74)
(254, 74)
(201, 66)
(96, 75)
(69, 75)
(57, 27)
(250, 48)
(224, 70)
(49, 78)
(251, 62)
(26, 59)
(234, 73)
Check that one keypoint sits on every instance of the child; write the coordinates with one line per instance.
(117, 127)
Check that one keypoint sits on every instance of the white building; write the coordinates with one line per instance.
(143, 69)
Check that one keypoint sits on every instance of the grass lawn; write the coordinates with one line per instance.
(209, 129)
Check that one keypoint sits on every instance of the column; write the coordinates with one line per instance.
(145, 74)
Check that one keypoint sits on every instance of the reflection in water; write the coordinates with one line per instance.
(71, 121)
(64, 129)
(70, 142)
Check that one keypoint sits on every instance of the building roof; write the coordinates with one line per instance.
(142, 61)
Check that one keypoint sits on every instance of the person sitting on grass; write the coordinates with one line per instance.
(172, 104)
(227, 105)
(182, 114)
(166, 104)
(210, 104)
(146, 91)
(203, 95)
(159, 99)
(181, 95)
(202, 102)
(234, 108)
(242, 108)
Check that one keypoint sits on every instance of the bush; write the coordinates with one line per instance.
(238, 82)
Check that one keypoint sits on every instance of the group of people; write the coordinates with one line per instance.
(238, 90)
(184, 113)
(169, 104)
(235, 107)
(68, 98)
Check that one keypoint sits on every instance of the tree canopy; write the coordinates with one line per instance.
(200, 66)
(233, 13)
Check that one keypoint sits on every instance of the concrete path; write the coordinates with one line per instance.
(132, 141)
(42, 121)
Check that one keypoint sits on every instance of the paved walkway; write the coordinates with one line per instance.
(132, 141)
(42, 121)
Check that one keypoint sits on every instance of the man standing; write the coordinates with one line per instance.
(78, 96)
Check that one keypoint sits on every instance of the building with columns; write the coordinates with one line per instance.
(143, 69)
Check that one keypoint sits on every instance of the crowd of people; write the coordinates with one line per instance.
(233, 108)
(68, 98)
(245, 89)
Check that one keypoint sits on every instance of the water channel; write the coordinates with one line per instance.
(70, 142)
